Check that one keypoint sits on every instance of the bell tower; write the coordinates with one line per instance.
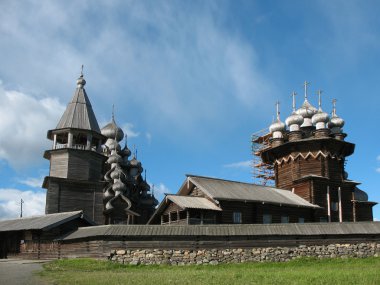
(76, 160)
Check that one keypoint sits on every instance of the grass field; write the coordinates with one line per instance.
(301, 271)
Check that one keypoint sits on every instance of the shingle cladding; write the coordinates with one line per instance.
(220, 189)
(39, 222)
(189, 202)
(79, 113)
(309, 229)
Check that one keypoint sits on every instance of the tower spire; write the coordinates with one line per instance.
(319, 92)
(305, 87)
(81, 71)
(334, 107)
(294, 101)
(278, 110)
(113, 112)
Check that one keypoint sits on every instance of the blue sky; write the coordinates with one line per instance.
(190, 80)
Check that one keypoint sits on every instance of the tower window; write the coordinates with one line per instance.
(284, 219)
(236, 217)
(267, 219)
(301, 220)
(334, 206)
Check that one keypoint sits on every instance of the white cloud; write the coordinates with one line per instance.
(33, 182)
(128, 129)
(378, 170)
(159, 190)
(241, 164)
(378, 157)
(148, 136)
(376, 219)
(160, 57)
(24, 121)
(34, 203)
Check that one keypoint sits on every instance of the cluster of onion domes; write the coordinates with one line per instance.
(124, 176)
(305, 117)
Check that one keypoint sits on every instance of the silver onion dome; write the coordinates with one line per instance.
(114, 158)
(307, 111)
(277, 126)
(81, 82)
(336, 123)
(320, 118)
(118, 186)
(112, 131)
(112, 145)
(294, 120)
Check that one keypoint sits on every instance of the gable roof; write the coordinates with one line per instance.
(191, 202)
(79, 113)
(44, 222)
(220, 189)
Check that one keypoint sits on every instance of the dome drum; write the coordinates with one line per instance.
(295, 135)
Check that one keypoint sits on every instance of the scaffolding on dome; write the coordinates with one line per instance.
(263, 173)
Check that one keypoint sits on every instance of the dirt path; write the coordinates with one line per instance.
(20, 272)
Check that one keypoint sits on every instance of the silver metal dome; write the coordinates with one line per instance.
(307, 111)
(277, 127)
(320, 118)
(336, 123)
(114, 158)
(112, 131)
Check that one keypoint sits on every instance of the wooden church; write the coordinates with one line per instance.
(305, 158)
(89, 170)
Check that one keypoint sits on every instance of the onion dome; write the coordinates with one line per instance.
(135, 167)
(114, 158)
(277, 128)
(125, 152)
(320, 118)
(118, 186)
(81, 82)
(112, 130)
(306, 110)
(116, 173)
(294, 121)
(336, 123)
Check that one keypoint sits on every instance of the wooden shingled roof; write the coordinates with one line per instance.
(44, 222)
(79, 113)
(220, 189)
(307, 229)
(190, 202)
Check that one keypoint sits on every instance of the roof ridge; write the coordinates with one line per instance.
(234, 181)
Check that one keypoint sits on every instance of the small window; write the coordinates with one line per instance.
(334, 206)
(267, 219)
(322, 220)
(301, 220)
(236, 217)
(284, 219)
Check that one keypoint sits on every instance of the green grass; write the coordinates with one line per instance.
(301, 271)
